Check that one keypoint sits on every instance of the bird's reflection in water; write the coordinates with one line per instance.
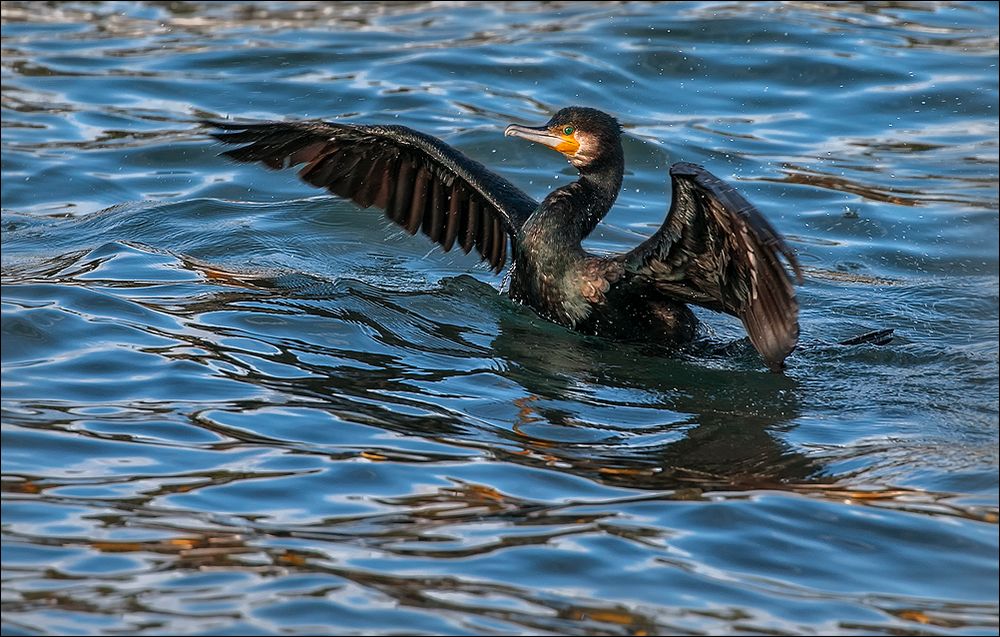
(726, 422)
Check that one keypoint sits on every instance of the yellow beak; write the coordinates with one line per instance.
(565, 144)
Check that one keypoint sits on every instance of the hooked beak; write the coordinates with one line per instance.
(540, 135)
(565, 144)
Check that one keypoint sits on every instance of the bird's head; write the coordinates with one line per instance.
(586, 136)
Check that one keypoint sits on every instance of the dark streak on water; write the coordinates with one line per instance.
(232, 404)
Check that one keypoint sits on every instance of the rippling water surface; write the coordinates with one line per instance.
(233, 404)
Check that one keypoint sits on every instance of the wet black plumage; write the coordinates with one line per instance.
(419, 181)
(714, 249)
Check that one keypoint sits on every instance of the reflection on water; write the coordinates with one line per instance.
(235, 405)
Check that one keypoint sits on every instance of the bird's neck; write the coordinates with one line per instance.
(549, 244)
(581, 205)
(601, 184)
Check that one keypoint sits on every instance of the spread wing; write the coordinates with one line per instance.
(716, 250)
(419, 181)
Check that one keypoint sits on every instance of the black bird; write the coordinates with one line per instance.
(714, 249)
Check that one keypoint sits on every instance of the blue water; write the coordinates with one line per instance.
(234, 404)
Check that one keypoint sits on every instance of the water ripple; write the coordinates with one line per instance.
(235, 405)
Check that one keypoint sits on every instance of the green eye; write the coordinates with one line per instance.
(568, 131)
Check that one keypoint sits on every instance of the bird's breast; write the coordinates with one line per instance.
(557, 284)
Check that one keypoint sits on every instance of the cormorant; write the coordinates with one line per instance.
(714, 249)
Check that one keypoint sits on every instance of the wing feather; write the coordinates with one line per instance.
(420, 182)
(716, 250)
